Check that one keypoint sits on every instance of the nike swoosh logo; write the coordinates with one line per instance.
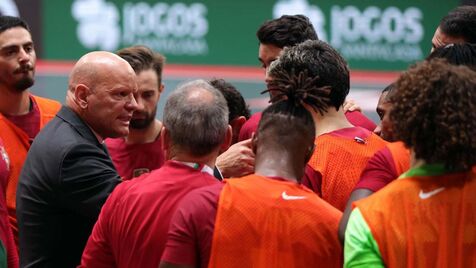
(285, 196)
(430, 193)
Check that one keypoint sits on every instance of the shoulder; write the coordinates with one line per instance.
(201, 201)
(358, 119)
(114, 143)
(47, 105)
(379, 171)
(394, 193)
(250, 126)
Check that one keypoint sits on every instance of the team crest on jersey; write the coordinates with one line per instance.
(139, 171)
(5, 156)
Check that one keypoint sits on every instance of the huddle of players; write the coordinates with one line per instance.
(267, 219)
(304, 141)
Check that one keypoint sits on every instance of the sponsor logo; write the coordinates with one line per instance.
(9, 8)
(429, 194)
(294, 7)
(97, 24)
(285, 196)
(370, 33)
(171, 28)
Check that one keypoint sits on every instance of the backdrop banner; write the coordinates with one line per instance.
(371, 35)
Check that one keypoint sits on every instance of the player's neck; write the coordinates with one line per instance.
(14, 103)
(331, 120)
(146, 135)
(269, 165)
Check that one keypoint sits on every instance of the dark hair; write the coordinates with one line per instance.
(142, 58)
(287, 121)
(322, 71)
(456, 54)
(236, 104)
(286, 31)
(460, 22)
(388, 90)
(8, 22)
(433, 112)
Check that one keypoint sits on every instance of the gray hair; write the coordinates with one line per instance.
(197, 124)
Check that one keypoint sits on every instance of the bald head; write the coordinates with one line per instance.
(196, 116)
(94, 66)
(101, 88)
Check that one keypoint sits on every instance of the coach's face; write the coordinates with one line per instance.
(112, 103)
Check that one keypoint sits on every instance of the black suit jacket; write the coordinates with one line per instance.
(65, 180)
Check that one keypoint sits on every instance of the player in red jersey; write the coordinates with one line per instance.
(132, 227)
(141, 150)
(266, 219)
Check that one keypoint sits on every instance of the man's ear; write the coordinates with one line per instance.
(227, 141)
(236, 125)
(81, 93)
(161, 88)
(254, 142)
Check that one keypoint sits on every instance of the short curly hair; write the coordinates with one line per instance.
(434, 113)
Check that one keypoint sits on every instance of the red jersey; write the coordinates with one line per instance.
(133, 160)
(198, 233)
(132, 227)
(356, 118)
(384, 167)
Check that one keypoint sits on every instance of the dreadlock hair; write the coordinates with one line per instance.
(433, 113)
(318, 72)
(457, 54)
(288, 122)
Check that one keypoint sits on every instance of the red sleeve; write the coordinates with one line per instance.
(358, 119)
(250, 126)
(312, 179)
(98, 252)
(380, 171)
(191, 228)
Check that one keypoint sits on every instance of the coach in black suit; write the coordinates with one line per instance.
(68, 173)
